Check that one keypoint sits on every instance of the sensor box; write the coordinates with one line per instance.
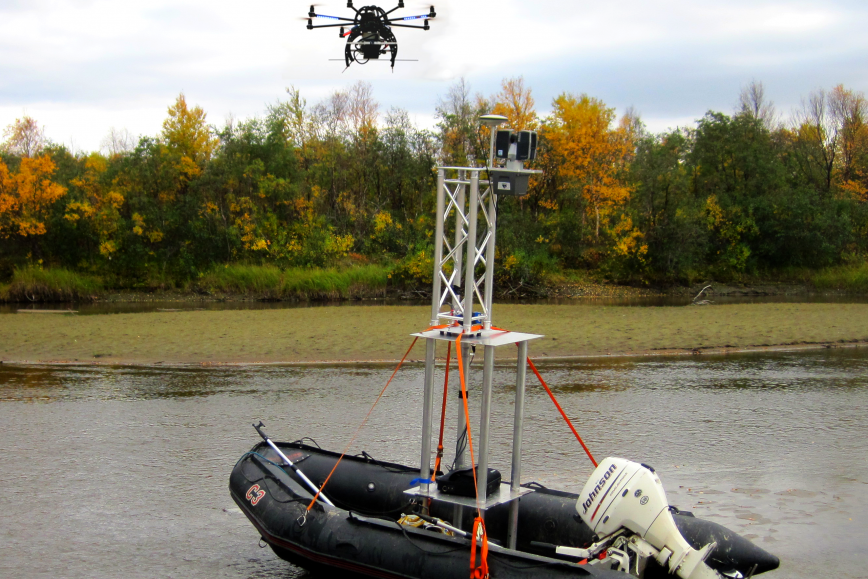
(506, 182)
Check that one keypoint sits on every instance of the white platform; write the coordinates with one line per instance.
(504, 495)
(479, 337)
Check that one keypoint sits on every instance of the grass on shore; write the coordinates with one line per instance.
(34, 284)
(269, 282)
(850, 278)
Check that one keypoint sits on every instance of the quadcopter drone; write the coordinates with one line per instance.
(371, 33)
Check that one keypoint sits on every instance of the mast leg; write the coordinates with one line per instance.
(518, 425)
(461, 431)
(427, 409)
(484, 423)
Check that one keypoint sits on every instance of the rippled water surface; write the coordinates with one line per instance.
(123, 472)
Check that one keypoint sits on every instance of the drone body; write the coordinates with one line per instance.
(370, 35)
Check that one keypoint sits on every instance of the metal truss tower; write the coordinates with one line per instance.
(461, 305)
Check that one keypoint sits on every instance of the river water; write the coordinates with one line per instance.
(123, 472)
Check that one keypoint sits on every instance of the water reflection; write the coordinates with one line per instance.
(124, 470)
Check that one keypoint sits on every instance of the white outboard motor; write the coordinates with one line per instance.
(627, 495)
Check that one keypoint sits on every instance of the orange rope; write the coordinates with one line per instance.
(398, 367)
(480, 572)
(466, 413)
(561, 410)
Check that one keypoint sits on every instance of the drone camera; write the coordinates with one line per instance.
(526, 149)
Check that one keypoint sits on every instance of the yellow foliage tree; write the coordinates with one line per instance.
(26, 196)
(186, 133)
(590, 153)
(100, 206)
(515, 102)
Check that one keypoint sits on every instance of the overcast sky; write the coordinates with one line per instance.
(80, 67)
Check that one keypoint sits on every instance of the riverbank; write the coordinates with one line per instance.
(364, 282)
(381, 333)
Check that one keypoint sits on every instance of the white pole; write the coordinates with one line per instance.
(518, 426)
(485, 423)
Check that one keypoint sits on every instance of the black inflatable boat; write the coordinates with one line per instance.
(360, 533)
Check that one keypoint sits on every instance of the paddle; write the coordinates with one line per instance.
(288, 462)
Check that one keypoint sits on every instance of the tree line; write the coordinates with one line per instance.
(342, 182)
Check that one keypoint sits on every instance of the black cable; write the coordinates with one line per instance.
(461, 446)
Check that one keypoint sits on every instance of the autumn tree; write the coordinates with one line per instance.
(832, 140)
(186, 133)
(591, 153)
(26, 197)
(290, 120)
(97, 207)
(818, 137)
(23, 138)
(850, 109)
(515, 102)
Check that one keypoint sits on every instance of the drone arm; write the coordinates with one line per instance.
(410, 26)
(312, 26)
(313, 15)
(400, 5)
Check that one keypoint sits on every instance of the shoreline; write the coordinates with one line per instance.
(585, 289)
(503, 362)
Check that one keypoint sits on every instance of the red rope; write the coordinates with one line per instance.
(561, 410)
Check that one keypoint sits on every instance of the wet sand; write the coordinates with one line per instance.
(381, 333)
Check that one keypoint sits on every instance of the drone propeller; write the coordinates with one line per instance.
(380, 60)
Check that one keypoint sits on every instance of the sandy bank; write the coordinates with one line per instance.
(374, 333)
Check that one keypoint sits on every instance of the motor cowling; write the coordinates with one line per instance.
(622, 494)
